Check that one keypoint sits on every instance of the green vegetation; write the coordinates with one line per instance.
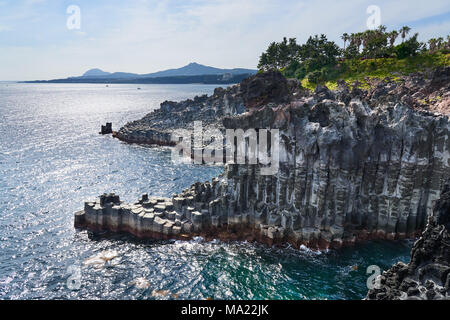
(365, 55)
(362, 70)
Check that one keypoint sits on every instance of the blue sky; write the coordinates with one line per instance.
(144, 36)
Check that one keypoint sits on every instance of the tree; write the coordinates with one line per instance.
(404, 32)
(375, 43)
(393, 35)
(278, 55)
(358, 40)
(439, 43)
(267, 60)
(345, 37)
(318, 52)
(382, 28)
(408, 48)
(432, 45)
(319, 59)
(351, 52)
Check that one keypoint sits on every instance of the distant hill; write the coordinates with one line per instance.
(191, 73)
(219, 79)
(192, 69)
(195, 69)
(95, 73)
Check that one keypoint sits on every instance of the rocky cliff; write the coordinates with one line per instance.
(427, 276)
(158, 126)
(353, 164)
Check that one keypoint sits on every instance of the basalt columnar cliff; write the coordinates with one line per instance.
(427, 276)
(353, 164)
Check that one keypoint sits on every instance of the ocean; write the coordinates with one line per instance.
(52, 159)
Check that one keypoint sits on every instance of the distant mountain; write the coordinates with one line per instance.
(192, 73)
(95, 73)
(100, 74)
(220, 79)
(192, 69)
(195, 69)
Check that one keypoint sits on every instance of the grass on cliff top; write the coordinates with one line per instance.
(381, 68)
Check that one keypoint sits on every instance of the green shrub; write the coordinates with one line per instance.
(408, 48)
(315, 77)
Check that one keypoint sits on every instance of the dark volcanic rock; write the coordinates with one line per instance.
(157, 127)
(106, 129)
(353, 165)
(267, 87)
(428, 91)
(427, 276)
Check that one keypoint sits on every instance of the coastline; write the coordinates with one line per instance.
(237, 232)
(324, 194)
(427, 275)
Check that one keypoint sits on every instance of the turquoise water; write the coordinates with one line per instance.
(52, 159)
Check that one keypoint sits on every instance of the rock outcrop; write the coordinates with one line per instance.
(429, 91)
(106, 129)
(158, 126)
(353, 165)
(427, 275)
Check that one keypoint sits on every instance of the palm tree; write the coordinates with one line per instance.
(404, 31)
(365, 37)
(392, 37)
(432, 45)
(382, 28)
(345, 37)
(439, 43)
(358, 40)
(352, 39)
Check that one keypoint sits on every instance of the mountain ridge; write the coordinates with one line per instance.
(192, 69)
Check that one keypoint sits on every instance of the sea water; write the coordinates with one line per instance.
(52, 159)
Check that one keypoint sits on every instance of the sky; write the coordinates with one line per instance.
(143, 36)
